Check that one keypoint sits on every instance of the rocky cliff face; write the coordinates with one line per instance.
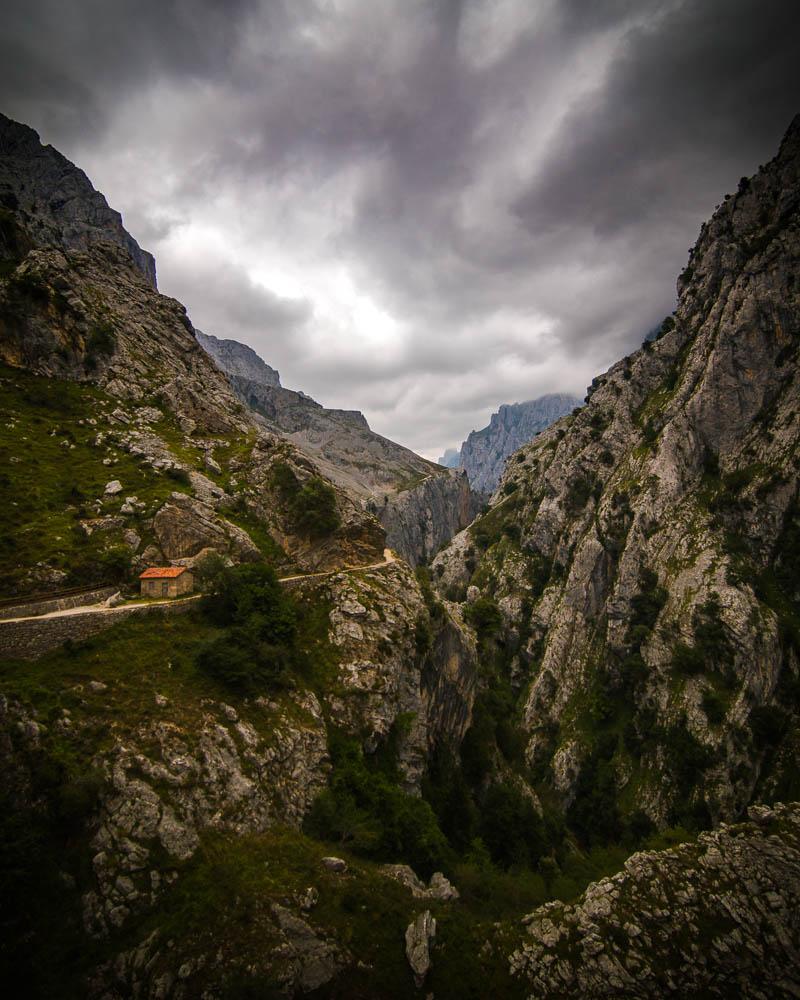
(238, 359)
(421, 519)
(451, 458)
(647, 544)
(419, 504)
(717, 918)
(483, 455)
(56, 201)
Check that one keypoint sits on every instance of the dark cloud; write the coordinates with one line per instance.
(421, 208)
(691, 102)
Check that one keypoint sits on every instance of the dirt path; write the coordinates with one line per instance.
(388, 558)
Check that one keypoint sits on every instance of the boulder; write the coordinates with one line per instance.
(185, 526)
(419, 935)
(338, 865)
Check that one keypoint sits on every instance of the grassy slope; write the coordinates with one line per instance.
(51, 470)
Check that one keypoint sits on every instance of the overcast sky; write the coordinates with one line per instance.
(418, 209)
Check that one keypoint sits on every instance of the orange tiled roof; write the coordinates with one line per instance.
(162, 572)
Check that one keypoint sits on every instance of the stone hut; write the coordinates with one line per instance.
(166, 581)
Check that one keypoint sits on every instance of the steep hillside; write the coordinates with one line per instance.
(81, 310)
(420, 505)
(644, 550)
(56, 201)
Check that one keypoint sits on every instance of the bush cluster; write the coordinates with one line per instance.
(258, 648)
(311, 506)
(365, 809)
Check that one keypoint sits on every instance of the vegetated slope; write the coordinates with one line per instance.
(124, 446)
(82, 310)
(420, 505)
(644, 551)
(483, 455)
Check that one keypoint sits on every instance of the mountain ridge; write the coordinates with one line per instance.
(483, 454)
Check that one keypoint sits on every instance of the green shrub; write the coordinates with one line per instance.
(688, 660)
(511, 828)
(314, 509)
(578, 493)
(311, 507)
(365, 809)
(258, 649)
(714, 707)
(178, 474)
(594, 813)
(485, 617)
(768, 724)
(101, 342)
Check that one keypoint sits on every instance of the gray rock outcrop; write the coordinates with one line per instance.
(421, 519)
(56, 199)
(718, 918)
(420, 934)
(483, 455)
(238, 359)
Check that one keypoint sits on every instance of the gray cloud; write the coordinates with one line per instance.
(421, 208)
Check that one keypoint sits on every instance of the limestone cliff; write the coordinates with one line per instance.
(422, 518)
(56, 200)
(645, 548)
(717, 918)
(238, 359)
(483, 455)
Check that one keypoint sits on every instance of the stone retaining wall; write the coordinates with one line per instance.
(57, 603)
(31, 639)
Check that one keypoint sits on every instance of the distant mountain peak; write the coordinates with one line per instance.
(484, 453)
(235, 358)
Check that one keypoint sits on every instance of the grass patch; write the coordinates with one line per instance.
(52, 471)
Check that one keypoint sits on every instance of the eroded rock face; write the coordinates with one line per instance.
(483, 455)
(718, 918)
(57, 200)
(185, 527)
(419, 937)
(419, 520)
(238, 359)
(383, 675)
(229, 773)
(644, 546)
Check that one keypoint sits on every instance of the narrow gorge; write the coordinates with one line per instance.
(396, 743)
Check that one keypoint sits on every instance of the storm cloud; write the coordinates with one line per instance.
(420, 209)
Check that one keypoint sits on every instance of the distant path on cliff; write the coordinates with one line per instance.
(388, 558)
